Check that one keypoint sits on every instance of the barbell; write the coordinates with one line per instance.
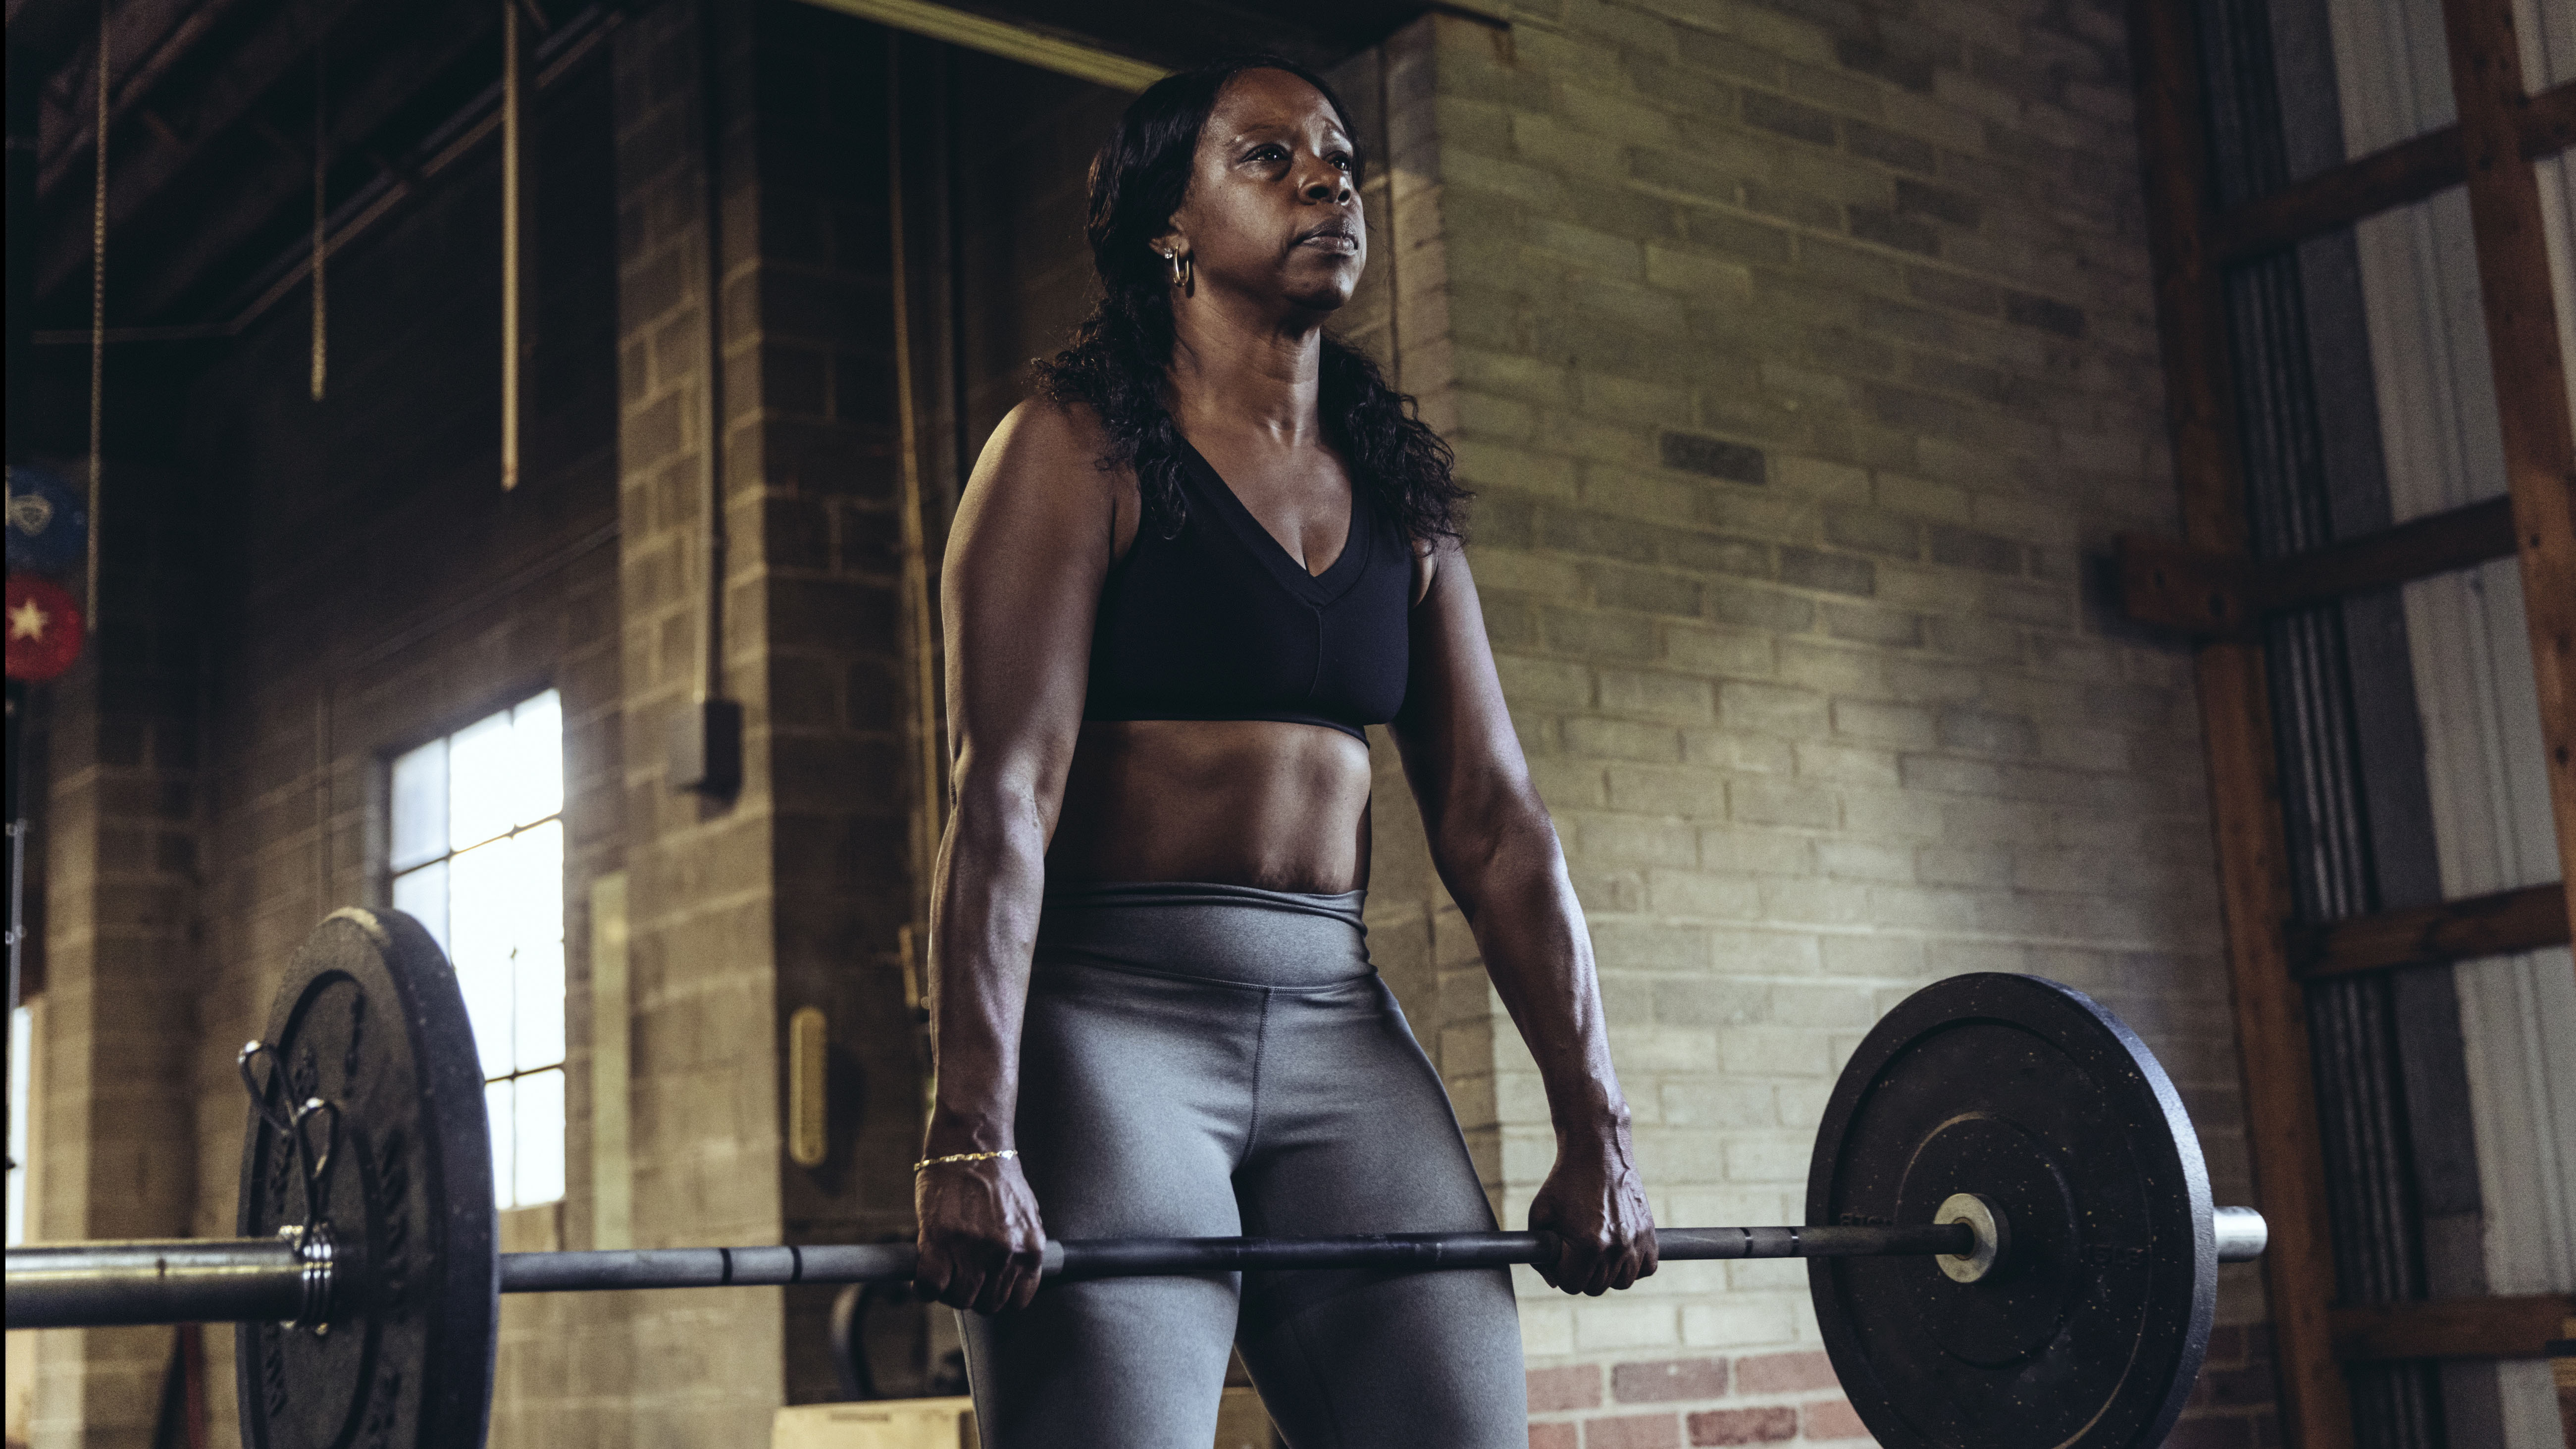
(2010, 1233)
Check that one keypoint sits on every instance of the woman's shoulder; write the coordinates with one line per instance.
(1041, 429)
(1045, 459)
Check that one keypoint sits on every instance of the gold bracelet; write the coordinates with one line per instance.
(965, 1157)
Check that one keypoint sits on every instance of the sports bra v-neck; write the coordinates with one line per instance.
(1218, 621)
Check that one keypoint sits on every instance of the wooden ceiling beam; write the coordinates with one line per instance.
(138, 177)
(152, 38)
(371, 88)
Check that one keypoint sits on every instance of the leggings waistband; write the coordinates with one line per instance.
(1230, 934)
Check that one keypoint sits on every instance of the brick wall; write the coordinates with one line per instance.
(1021, 176)
(792, 892)
(122, 832)
(1803, 357)
(374, 588)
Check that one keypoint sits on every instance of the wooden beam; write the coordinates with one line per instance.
(1022, 43)
(2497, 925)
(274, 48)
(2409, 171)
(2366, 185)
(2244, 789)
(2530, 374)
(2453, 1327)
(2170, 583)
(2548, 122)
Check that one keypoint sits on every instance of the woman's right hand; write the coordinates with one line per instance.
(981, 1245)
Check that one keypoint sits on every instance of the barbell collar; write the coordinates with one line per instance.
(2242, 1234)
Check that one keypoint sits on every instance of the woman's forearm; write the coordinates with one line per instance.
(1511, 884)
(991, 881)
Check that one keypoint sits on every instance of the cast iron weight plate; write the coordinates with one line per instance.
(2092, 1332)
(369, 1017)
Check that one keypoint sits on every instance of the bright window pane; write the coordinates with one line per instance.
(22, 1046)
(536, 730)
(534, 903)
(478, 849)
(482, 771)
(420, 806)
(539, 1137)
(422, 895)
(481, 883)
(537, 1016)
(498, 1109)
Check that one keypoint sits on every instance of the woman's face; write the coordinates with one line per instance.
(1273, 210)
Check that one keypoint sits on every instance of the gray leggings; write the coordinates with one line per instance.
(1220, 1061)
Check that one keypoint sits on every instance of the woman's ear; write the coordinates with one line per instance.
(1174, 248)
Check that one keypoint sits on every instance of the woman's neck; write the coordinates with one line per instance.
(1243, 373)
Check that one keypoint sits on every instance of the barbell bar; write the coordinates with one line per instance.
(2006, 1129)
(192, 1280)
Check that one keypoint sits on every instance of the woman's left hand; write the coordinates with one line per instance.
(1596, 1207)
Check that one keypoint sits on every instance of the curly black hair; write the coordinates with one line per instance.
(1120, 356)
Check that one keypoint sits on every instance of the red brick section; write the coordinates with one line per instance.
(1576, 1386)
(1669, 1380)
(1834, 1419)
(1783, 1373)
(1555, 1436)
(1633, 1431)
(1744, 1426)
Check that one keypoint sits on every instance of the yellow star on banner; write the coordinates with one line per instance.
(28, 621)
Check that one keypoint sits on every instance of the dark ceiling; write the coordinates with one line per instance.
(212, 120)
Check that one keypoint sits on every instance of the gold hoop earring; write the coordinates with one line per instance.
(1180, 269)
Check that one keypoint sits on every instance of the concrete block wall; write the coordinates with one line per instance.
(1803, 358)
(790, 893)
(706, 1133)
(371, 588)
(122, 827)
(826, 446)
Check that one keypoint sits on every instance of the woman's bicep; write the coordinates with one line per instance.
(1455, 732)
(1019, 588)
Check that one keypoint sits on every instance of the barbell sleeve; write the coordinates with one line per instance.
(179, 1280)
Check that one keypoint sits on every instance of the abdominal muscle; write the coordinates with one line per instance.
(1233, 802)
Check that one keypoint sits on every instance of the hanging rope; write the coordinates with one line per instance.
(321, 237)
(510, 137)
(97, 319)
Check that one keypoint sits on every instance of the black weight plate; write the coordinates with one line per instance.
(2090, 1332)
(369, 1017)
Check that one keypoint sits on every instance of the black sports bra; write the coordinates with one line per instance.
(1218, 622)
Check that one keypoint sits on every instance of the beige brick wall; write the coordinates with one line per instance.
(363, 621)
(1803, 358)
(121, 826)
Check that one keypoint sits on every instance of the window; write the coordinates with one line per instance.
(477, 857)
(22, 1084)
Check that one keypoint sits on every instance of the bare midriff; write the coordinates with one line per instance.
(1231, 802)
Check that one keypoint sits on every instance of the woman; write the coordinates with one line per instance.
(1180, 584)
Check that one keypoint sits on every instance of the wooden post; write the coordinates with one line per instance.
(2530, 374)
(2245, 804)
